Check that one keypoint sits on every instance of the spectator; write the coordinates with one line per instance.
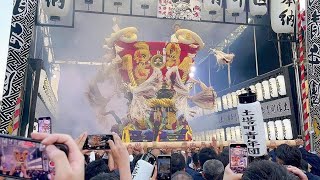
(104, 176)
(266, 170)
(205, 154)
(288, 155)
(195, 161)
(212, 169)
(66, 167)
(94, 168)
(224, 156)
(178, 163)
(181, 175)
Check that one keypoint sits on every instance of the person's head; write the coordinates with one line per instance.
(103, 176)
(181, 175)
(94, 168)
(176, 27)
(206, 154)
(178, 162)
(224, 156)
(212, 169)
(156, 152)
(267, 170)
(288, 155)
(195, 160)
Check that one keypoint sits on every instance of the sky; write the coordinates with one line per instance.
(6, 7)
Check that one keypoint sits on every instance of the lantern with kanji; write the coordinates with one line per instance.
(283, 16)
(235, 7)
(212, 6)
(56, 8)
(258, 7)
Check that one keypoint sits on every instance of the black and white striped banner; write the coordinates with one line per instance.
(22, 23)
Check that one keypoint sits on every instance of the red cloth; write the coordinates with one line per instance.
(154, 48)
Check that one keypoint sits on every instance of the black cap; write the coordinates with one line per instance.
(248, 97)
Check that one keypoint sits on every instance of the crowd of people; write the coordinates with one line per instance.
(206, 163)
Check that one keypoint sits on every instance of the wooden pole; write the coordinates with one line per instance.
(198, 144)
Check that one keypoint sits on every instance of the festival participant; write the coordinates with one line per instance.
(181, 175)
(66, 167)
(263, 170)
(212, 169)
(205, 154)
(288, 155)
(178, 163)
(94, 168)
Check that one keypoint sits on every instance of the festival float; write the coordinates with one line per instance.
(154, 76)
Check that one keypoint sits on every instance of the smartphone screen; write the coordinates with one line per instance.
(24, 159)
(44, 125)
(164, 167)
(238, 157)
(97, 142)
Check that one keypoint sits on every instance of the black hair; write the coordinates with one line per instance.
(178, 162)
(94, 168)
(224, 156)
(103, 176)
(195, 159)
(206, 154)
(289, 155)
(267, 170)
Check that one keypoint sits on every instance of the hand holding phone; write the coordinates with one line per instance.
(164, 167)
(98, 142)
(25, 158)
(70, 166)
(238, 157)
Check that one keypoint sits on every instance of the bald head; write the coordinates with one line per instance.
(181, 175)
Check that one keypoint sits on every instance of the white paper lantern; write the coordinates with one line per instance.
(214, 135)
(272, 130)
(266, 130)
(225, 102)
(233, 133)
(266, 90)
(218, 137)
(228, 134)
(282, 16)
(273, 87)
(279, 129)
(259, 92)
(253, 88)
(229, 99)
(222, 135)
(219, 104)
(258, 7)
(56, 8)
(238, 133)
(235, 7)
(213, 6)
(243, 91)
(234, 99)
(281, 85)
(287, 129)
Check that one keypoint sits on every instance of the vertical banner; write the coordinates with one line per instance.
(313, 56)
(282, 14)
(251, 121)
(173, 9)
(22, 23)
